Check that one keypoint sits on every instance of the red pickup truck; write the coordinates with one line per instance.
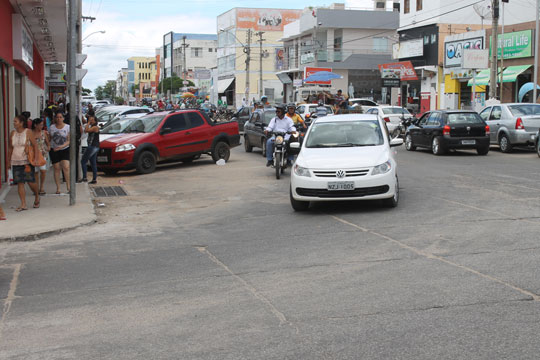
(181, 135)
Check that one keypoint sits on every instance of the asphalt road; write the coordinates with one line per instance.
(210, 262)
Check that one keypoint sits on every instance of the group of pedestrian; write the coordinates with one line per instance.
(34, 145)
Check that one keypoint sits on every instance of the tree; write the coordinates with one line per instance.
(85, 91)
(177, 84)
(119, 100)
(107, 91)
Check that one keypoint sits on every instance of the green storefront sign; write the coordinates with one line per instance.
(516, 44)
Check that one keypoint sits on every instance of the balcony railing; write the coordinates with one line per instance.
(327, 56)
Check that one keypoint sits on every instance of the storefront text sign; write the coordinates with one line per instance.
(402, 70)
(453, 50)
(308, 71)
(411, 48)
(475, 59)
(23, 46)
(516, 44)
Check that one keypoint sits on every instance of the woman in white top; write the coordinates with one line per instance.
(59, 154)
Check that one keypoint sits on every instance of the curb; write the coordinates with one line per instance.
(46, 234)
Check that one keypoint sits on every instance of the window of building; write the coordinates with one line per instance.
(433, 38)
(380, 5)
(380, 44)
(210, 49)
(196, 52)
(406, 6)
(418, 5)
(396, 7)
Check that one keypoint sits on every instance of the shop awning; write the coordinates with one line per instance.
(224, 84)
(511, 73)
(482, 78)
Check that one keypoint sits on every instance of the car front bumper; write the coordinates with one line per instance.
(366, 187)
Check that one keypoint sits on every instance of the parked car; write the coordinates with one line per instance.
(305, 111)
(254, 129)
(365, 104)
(443, 130)
(108, 113)
(345, 157)
(391, 115)
(242, 115)
(181, 135)
(512, 124)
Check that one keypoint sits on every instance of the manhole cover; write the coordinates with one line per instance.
(108, 191)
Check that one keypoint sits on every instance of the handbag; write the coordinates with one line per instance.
(32, 157)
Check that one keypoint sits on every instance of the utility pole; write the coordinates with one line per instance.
(261, 88)
(535, 80)
(72, 76)
(494, 50)
(184, 66)
(502, 53)
(247, 51)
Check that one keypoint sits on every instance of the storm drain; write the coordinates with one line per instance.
(108, 191)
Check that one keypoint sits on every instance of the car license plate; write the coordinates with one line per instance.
(102, 159)
(468, 142)
(345, 185)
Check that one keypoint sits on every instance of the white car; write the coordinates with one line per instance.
(391, 115)
(305, 110)
(345, 157)
(365, 104)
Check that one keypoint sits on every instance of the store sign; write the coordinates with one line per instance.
(297, 82)
(411, 48)
(23, 46)
(475, 59)
(453, 50)
(307, 58)
(402, 70)
(308, 71)
(388, 82)
(516, 45)
(265, 19)
(203, 74)
(459, 73)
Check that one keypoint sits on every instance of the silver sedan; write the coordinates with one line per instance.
(512, 124)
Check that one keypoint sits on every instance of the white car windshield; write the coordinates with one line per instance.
(145, 124)
(345, 134)
(395, 110)
(117, 126)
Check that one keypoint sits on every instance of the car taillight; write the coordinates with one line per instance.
(446, 130)
(487, 129)
(387, 119)
(519, 124)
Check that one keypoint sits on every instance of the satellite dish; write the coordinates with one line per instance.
(483, 9)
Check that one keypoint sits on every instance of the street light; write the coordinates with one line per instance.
(95, 32)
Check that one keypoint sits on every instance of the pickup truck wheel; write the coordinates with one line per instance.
(221, 151)
(247, 145)
(146, 163)
(504, 143)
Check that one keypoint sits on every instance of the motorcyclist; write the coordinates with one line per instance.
(297, 119)
(280, 123)
(321, 110)
(264, 101)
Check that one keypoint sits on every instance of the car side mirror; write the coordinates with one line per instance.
(165, 131)
(258, 123)
(294, 148)
(396, 142)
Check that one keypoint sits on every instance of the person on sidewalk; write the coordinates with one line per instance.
(2, 214)
(92, 129)
(42, 138)
(59, 139)
(23, 171)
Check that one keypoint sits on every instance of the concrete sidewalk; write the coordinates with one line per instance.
(54, 215)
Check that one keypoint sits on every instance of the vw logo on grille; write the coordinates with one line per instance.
(340, 174)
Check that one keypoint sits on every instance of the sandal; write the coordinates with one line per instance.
(42, 192)
(57, 192)
(36, 204)
(20, 209)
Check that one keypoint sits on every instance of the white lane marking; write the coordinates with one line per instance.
(427, 255)
(278, 314)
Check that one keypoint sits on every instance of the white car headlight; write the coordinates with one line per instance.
(125, 147)
(382, 168)
(301, 171)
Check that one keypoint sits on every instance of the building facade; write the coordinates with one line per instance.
(142, 73)
(31, 33)
(240, 31)
(348, 42)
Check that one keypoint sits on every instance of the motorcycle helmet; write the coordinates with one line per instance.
(281, 107)
(291, 105)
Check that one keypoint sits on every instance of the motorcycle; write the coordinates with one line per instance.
(281, 151)
(402, 127)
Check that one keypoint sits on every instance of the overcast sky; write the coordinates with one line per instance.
(136, 27)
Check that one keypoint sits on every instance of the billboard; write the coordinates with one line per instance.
(265, 19)
(516, 45)
(308, 71)
(403, 69)
(453, 50)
